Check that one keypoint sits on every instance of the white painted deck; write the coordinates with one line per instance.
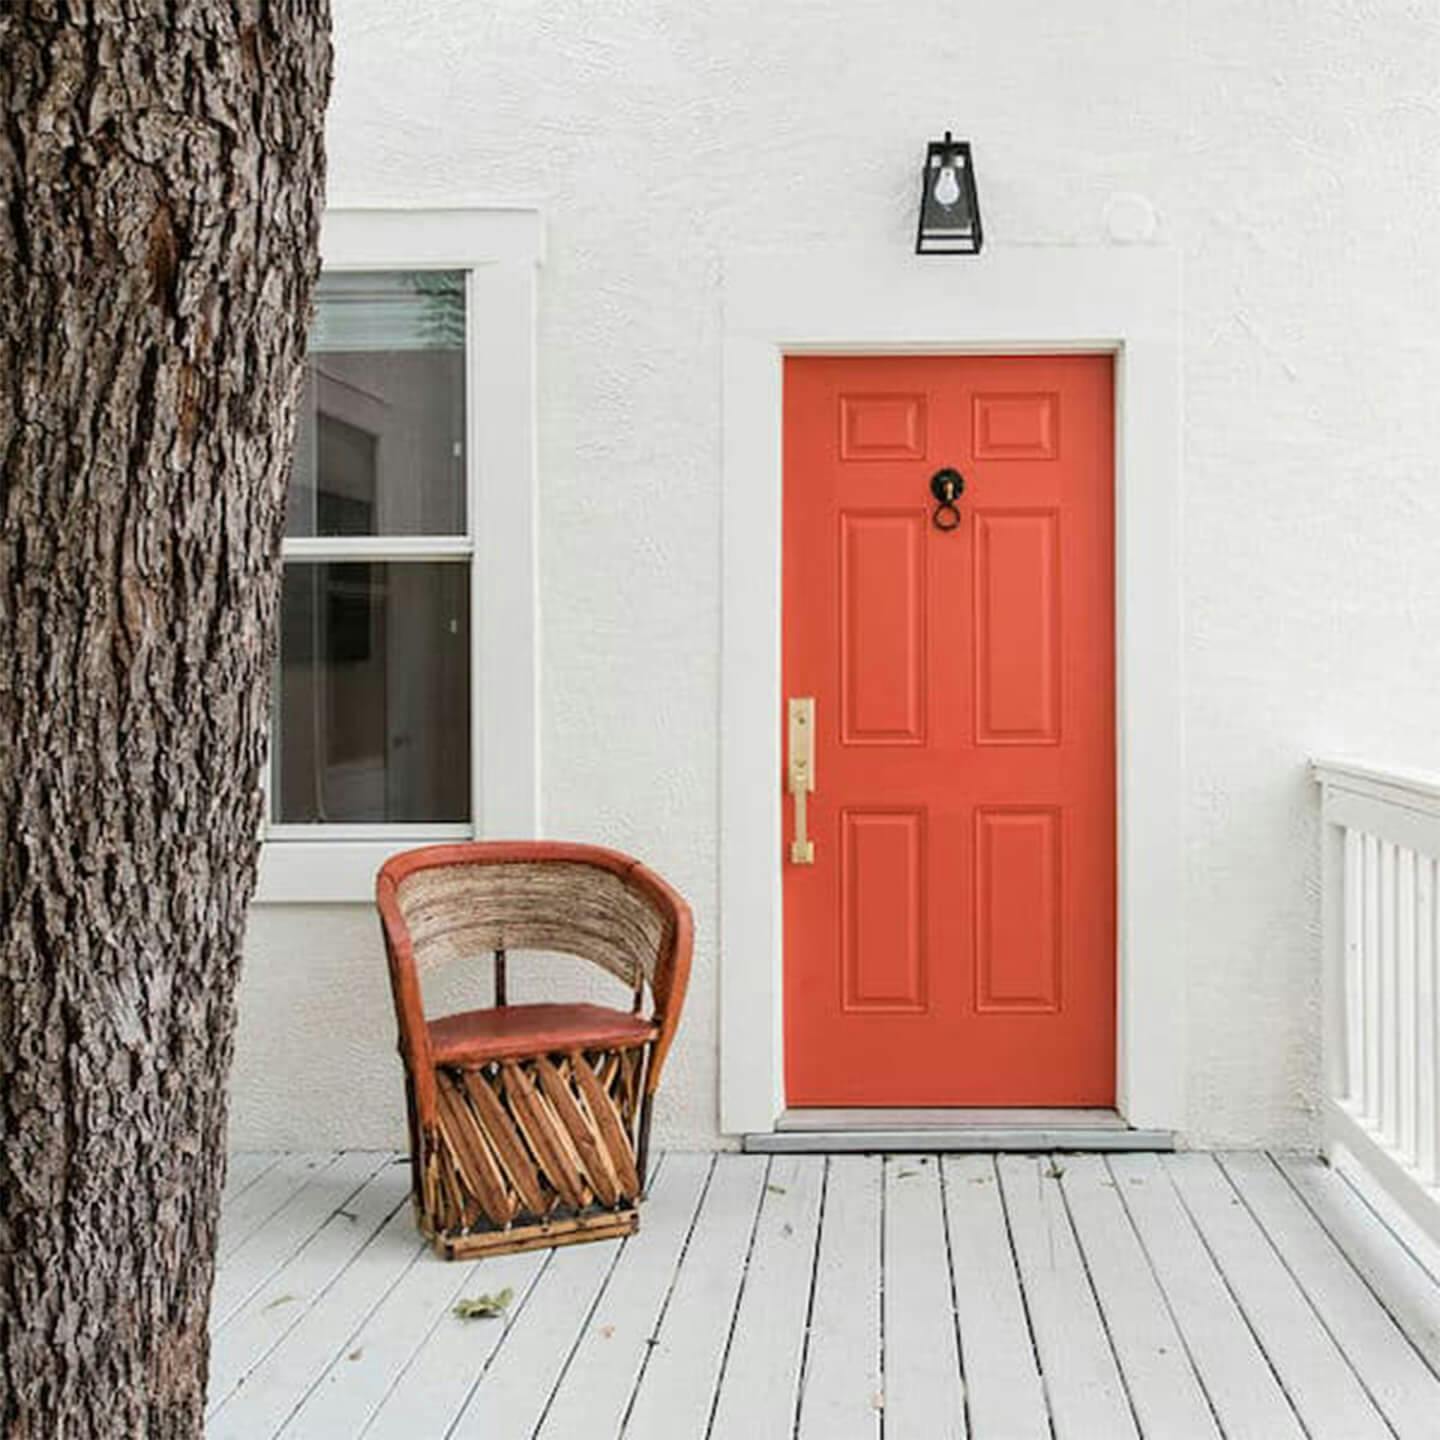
(1088, 1297)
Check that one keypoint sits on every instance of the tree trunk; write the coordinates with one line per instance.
(161, 173)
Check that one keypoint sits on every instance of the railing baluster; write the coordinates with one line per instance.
(1427, 1018)
(1407, 1138)
(1352, 918)
(1371, 1105)
(1389, 1017)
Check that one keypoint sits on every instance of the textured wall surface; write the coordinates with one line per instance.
(1288, 150)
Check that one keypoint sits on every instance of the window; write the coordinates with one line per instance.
(372, 715)
(408, 598)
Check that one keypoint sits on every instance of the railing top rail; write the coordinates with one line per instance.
(1412, 788)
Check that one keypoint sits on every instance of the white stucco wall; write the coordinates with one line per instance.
(1288, 150)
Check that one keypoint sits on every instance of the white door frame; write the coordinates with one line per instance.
(1121, 301)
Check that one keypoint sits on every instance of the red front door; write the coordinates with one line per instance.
(952, 942)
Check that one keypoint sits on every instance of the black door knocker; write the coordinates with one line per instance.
(947, 486)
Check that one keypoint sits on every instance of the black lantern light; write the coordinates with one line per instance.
(949, 206)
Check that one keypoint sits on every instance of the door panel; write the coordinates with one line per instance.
(953, 942)
(882, 627)
(1017, 628)
(881, 913)
(1017, 909)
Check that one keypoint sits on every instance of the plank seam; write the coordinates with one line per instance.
(279, 1265)
(349, 1339)
(1349, 1260)
(954, 1297)
(580, 1333)
(260, 1174)
(511, 1316)
(319, 1295)
(1058, 1181)
(1424, 1264)
(653, 1339)
(224, 1251)
(655, 1170)
(574, 1344)
(886, 1161)
(403, 1369)
(739, 1298)
(1305, 1292)
(1235, 1300)
(1165, 1299)
(810, 1305)
(1024, 1298)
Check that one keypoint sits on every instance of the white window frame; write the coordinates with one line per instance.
(499, 250)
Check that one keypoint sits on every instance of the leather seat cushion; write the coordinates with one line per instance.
(510, 1032)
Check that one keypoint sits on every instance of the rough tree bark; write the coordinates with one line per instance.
(161, 170)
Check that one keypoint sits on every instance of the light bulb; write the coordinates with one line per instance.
(947, 187)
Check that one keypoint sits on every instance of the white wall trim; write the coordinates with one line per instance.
(500, 248)
(1124, 301)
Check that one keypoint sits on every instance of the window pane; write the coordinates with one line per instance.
(374, 699)
(380, 444)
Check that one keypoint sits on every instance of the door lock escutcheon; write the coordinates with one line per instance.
(946, 486)
(800, 774)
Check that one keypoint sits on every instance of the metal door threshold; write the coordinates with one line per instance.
(941, 1130)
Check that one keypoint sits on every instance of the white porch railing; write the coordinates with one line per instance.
(1381, 885)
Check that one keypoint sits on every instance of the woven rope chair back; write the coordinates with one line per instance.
(463, 911)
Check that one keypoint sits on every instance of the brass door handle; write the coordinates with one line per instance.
(800, 774)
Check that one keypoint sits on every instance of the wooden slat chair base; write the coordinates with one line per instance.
(534, 1152)
(530, 1124)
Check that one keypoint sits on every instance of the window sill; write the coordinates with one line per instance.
(327, 872)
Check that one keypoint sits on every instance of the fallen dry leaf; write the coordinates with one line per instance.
(485, 1307)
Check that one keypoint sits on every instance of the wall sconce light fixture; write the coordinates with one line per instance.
(949, 206)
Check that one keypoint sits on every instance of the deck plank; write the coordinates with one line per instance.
(760, 1384)
(279, 1384)
(596, 1390)
(432, 1390)
(267, 1248)
(1004, 1390)
(924, 1396)
(508, 1395)
(243, 1168)
(1396, 1378)
(281, 1303)
(841, 1395)
(432, 1386)
(350, 1392)
(1396, 1278)
(574, 1303)
(682, 1374)
(1082, 1379)
(1320, 1383)
(1164, 1389)
(1423, 1247)
(799, 1297)
(1238, 1379)
(255, 1204)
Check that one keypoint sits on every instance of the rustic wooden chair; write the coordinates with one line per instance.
(530, 1124)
